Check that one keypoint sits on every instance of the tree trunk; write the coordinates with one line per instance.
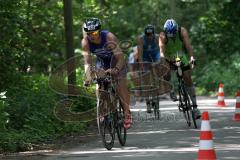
(68, 20)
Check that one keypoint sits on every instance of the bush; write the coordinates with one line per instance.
(208, 76)
(27, 115)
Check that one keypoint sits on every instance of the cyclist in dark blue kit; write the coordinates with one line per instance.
(110, 59)
(148, 49)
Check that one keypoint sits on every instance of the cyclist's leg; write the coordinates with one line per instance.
(156, 57)
(170, 77)
(174, 82)
(146, 58)
(150, 58)
(149, 108)
(189, 83)
(123, 94)
(124, 98)
(191, 91)
(101, 95)
(189, 86)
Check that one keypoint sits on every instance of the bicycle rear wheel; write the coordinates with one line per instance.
(156, 108)
(105, 120)
(121, 131)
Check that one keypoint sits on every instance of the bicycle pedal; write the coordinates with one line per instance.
(180, 110)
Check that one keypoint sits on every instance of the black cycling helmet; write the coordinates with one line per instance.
(149, 29)
(92, 24)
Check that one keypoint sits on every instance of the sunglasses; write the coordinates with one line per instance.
(94, 33)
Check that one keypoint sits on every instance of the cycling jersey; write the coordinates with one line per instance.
(151, 52)
(176, 47)
(104, 55)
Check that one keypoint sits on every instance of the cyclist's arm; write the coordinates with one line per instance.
(157, 42)
(157, 38)
(118, 54)
(86, 55)
(186, 41)
(140, 48)
(162, 42)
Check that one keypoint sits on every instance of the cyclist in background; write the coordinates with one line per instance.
(132, 58)
(148, 49)
(102, 43)
(175, 40)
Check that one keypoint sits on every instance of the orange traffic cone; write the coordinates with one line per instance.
(237, 111)
(221, 102)
(206, 150)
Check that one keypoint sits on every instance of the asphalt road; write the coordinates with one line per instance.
(166, 139)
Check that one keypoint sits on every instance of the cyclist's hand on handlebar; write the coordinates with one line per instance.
(112, 71)
(192, 62)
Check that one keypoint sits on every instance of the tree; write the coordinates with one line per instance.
(69, 41)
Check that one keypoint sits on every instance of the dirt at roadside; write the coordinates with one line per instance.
(67, 141)
(71, 140)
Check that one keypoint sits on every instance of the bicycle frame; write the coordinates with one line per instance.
(109, 112)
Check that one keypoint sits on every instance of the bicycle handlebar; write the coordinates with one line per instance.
(178, 63)
(104, 78)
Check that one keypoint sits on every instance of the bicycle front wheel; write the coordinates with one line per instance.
(156, 108)
(194, 118)
(105, 120)
(185, 105)
(121, 131)
(189, 108)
